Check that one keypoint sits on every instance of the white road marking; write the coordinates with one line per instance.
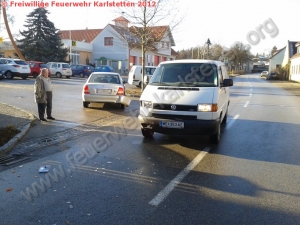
(167, 190)
(228, 125)
(246, 104)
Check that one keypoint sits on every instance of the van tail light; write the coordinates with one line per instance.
(86, 89)
(17, 66)
(120, 91)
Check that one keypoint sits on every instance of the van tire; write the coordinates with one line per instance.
(68, 77)
(147, 133)
(215, 138)
(58, 75)
(122, 106)
(225, 117)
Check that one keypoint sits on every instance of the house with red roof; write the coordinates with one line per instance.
(119, 45)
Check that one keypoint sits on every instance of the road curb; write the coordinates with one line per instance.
(23, 130)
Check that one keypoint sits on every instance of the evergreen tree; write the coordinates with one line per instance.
(41, 41)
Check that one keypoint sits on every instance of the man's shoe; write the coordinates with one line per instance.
(43, 119)
(50, 118)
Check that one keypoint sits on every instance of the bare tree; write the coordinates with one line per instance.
(146, 19)
(238, 53)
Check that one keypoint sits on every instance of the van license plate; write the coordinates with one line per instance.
(166, 124)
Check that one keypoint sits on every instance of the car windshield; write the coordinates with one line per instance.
(186, 74)
(104, 78)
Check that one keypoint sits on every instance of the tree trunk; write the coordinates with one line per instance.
(10, 35)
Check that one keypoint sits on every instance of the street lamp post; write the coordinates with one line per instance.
(208, 44)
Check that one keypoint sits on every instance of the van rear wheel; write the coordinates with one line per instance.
(147, 133)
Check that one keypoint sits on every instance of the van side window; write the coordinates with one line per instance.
(220, 75)
(224, 72)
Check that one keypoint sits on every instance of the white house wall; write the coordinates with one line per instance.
(164, 50)
(80, 46)
(118, 50)
(295, 69)
(276, 60)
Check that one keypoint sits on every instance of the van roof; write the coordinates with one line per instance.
(194, 61)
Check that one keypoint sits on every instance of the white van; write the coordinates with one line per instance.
(186, 97)
(135, 74)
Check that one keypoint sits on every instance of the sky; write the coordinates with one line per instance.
(261, 24)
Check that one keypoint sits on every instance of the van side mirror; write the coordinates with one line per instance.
(227, 83)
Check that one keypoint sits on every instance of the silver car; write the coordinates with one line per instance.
(104, 87)
(264, 74)
(14, 68)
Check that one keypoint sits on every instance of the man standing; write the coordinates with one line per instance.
(43, 94)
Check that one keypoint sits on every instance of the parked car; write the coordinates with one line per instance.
(35, 67)
(105, 87)
(272, 76)
(14, 68)
(104, 68)
(264, 73)
(135, 74)
(81, 70)
(59, 69)
(1, 75)
(199, 106)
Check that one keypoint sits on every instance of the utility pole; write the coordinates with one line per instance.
(208, 44)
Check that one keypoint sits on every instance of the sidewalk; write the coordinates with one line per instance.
(11, 115)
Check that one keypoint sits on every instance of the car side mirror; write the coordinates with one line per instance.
(227, 83)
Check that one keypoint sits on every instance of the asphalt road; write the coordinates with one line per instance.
(102, 171)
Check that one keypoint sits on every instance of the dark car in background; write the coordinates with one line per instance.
(1, 74)
(35, 67)
(81, 70)
(104, 68)
(273, 76)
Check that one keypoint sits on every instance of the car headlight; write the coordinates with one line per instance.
(147, 104)
(207, 107)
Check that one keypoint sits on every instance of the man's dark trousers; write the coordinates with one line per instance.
(41, 109)
(49, 103)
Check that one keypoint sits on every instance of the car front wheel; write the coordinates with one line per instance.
(9, 75)
(24, 78)
(81, 75)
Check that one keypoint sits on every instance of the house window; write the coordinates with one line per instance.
(108, 41)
